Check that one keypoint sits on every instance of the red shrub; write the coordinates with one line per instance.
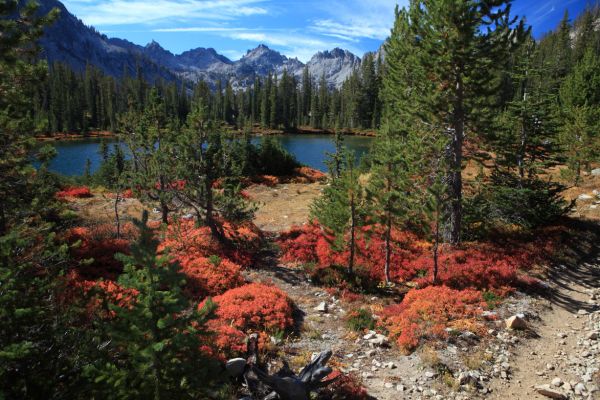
(267, 180)
(497, 267)
(311, 244)
(426, 313)
(210, 277)
(299, 244)
(251, 308)
(96, 253)
(309, 175)
(104, 292)
(185, 239)
(255, 307)
(74, 192)
(346, 387)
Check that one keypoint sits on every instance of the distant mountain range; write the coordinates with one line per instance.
(70, 41)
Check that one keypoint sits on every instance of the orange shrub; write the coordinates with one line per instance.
(96, 253)
(210, 277)
(255, 307)
(426, 313)
(185, 239)
(74, 192)
(309, 175)
(346, 387)
(311, 244)
(104, 292)
(267, 180)
(250, 308)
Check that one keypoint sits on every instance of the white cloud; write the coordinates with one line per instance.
(119, 12)
(357, 19)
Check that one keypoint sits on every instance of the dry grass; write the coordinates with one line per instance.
(474, 361)
(283, 206)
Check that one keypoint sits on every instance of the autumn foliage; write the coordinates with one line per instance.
(346, 387)
(311, 244)
(255, 307)
(500, 267)
(209, 276)
(183, 239)
(94, 250)
(74, 193)
(250, 308)
(426, 313)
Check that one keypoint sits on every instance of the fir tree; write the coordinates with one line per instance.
(152, 345)
(580, 96)
(342, 209)
(460, 45)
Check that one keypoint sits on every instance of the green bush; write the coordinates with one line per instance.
(360, 320)
(509, 202)
(274, 160)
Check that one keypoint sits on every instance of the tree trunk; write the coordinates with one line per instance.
(165, 212)
(209, 218)
(164, 207)
(388, 247)
(454, 223)
(521, 155)
(352, 234)
(436, 245)
(117, 218)
(2, 220)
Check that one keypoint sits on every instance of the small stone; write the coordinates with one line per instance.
(562, 335)
(370, 335)
(592, 336)
(567, 386)
(429, 375)
(582, 312)
(388, 385)
(557, 382)
(547, 391)
(579, 388)
(322, 307)
(596, 172)
(516, 322)
(550, 367)
(370, 353)
(235, 366)
(400, 388)
(585, 197)
(378, 340)
(390, 365)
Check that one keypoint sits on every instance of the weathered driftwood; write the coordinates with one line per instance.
(285, 385)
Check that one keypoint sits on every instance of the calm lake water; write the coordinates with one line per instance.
(309, 150)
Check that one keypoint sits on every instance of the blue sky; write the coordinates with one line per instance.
(297, 28)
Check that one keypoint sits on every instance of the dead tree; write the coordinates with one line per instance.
(285, 385)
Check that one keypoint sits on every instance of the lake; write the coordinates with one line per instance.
(309, 150)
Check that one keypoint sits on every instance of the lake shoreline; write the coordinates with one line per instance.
(255, 131)
(75, 136)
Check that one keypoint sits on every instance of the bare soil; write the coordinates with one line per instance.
(283, 206)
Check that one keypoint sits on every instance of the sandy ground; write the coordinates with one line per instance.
(283, 206)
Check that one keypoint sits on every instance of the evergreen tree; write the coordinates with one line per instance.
(152, 345)
(580, 96)
(342, 209)
(460, 44)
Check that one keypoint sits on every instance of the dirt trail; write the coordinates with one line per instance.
(561, 351)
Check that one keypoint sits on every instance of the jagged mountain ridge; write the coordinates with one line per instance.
(70, 41)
